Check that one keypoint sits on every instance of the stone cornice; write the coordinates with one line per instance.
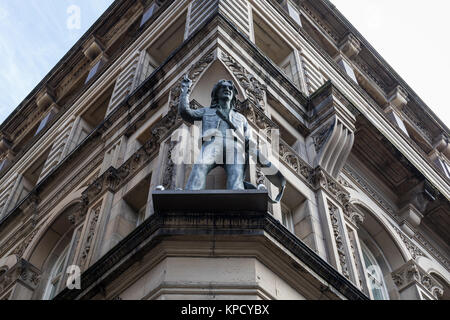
(160, 227)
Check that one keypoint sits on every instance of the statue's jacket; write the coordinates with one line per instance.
(214, 121)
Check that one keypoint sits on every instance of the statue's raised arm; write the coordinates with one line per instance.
(186, 113)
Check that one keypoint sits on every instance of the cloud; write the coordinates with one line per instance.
(4, 14)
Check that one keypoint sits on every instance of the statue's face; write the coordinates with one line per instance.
(225, 91)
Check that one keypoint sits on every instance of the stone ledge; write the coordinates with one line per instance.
(210, 201)
(206, 226)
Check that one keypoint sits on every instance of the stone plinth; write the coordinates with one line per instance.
(210, 201)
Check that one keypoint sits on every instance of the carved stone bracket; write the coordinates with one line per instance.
(398, 97)
(411, 274)
(332, 129)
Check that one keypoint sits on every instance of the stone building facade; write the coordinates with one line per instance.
(366, 209)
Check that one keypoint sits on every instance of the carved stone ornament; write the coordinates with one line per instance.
(22, 272)
(353, 214)
(338, 237)
(412, 248)
(193, 74)
(87, 246)
(168, 175)
(411, 273)
(323, 180)
(254, 90)
(321, 136)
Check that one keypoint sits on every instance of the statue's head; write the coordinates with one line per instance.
(224, 89)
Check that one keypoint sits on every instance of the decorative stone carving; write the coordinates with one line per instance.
(325, 181)
(294, 162)
(338, 237)
(168, 182)
(435, 253)
(20, 249)
(353, 214)
(253, 88)
(332, 126)
(79, 212)
(411, 273)
(321, 136)
(412, 248)
(22, 272)
(333, 143)
(370, 191)
(344, 183)
(90, 237)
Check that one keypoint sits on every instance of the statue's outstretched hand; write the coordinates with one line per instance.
(186, 84)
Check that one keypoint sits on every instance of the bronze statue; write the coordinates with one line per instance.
(226, 139)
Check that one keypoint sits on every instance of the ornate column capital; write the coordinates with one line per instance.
(23, 273)
(410, 275)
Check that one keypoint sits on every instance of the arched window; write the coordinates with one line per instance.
(374, 275)
(56, 275)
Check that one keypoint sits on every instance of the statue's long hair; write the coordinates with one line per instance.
(214, 92)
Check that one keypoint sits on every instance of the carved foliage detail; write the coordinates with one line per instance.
(338, 237)
(412, 248)
(411, 272)
(90, 236)
(253, 88)
(168, 175)
(193, 74)
(22, 271)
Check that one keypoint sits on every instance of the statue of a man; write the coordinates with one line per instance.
(226, 137)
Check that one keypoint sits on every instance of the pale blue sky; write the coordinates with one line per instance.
(411, 36)
(34, 36)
